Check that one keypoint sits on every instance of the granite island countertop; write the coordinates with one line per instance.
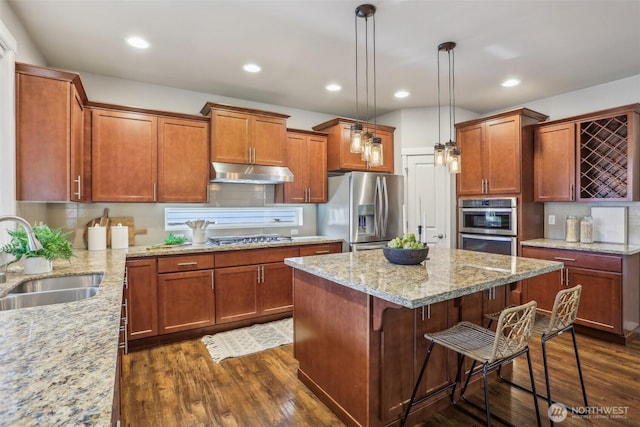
(446, 274)
(604, 248)
(58, 362)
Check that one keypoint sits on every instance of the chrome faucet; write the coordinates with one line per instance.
(32, 240)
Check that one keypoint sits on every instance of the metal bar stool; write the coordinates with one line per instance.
(492, 350)
(562, 318)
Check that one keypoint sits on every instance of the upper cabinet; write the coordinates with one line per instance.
(497, 154)
(589, 158)
(243, 135)
(339, 157)
(307, 160)
(49, 135)
(140, 157)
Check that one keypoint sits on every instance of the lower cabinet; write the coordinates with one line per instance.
(141, 295)
(610, 288)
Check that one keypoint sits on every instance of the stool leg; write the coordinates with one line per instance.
(575, 348)
(533, 388)
(485, 385)
(466, 381)
(543, 341)
(455, 382)
(415, 388)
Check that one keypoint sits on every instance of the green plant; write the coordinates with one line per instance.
(54, 244)
(172, 239)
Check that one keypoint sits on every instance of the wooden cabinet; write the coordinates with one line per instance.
(339, 158)
(496, 153)
(124, 156)
(307, 160)
(610, 289)
(141, 294)
(253, 283)
(554, 157)
(243, 135)
(183, 160)
(185, 292)
(321, 249)
(49, 135)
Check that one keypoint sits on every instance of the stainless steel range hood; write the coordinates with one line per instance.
(250, 174)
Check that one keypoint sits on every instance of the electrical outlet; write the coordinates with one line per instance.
(551, 220)
(294, 231)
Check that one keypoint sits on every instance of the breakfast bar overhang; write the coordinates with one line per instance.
(359, 323)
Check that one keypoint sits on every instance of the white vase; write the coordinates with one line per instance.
(37, 265)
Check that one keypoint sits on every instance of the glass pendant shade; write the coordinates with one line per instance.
(454, 161)
(375, 158)
(439, 154)
(366, 147)
(449, 146)
(356, 138)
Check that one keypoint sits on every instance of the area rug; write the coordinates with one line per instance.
(252, 339)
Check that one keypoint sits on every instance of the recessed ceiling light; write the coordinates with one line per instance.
(138, 42)
(511, 83)
(333, 87)
(251, 68)
(401, 94)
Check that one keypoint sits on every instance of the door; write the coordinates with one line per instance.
(236, 292)
(316, 160)
(471, 142)
(554, 163)
(230, 136)
(141, 293)
(502, 155)
(600, 300)
(276, 288)
(185, 301)
(428, 194)
(268, 139)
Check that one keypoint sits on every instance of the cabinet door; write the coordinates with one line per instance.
(124, 157)
(183, 166)
(502, 164)
(268, 139)
(470, 141)
(77, 174)
(542, 289)
(141, 293)
(554, 161)
(236, 293)
(230, 136)
(600, 301)
(276, 288)
(431, 318)
(297, 162)
(316, 161)
(185, 301)
(42, 135)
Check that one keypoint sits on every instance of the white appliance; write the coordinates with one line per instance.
(363, 208)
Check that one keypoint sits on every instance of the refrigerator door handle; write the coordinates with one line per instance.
(385, 217)
(377, 200)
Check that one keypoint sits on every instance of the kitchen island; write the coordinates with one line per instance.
(359, 323)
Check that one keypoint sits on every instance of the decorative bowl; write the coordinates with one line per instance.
(405, 256)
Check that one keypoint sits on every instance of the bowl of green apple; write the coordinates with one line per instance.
(406, 250)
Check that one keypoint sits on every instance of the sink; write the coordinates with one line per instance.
(34, 299)
(58, 283)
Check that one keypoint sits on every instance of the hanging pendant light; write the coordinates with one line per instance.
(448, 154)
(366, 142)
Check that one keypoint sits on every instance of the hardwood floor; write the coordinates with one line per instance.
(179, 385)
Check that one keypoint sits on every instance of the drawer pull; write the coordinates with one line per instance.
(185, 264)
(564, 259)
(322, 252)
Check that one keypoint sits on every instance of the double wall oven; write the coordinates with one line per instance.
(488, 225)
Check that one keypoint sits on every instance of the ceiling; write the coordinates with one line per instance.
(552, 46)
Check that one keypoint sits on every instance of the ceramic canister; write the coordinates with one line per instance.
(97, 238)
(119, 237)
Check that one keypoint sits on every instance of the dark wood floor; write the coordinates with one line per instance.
(179, 385)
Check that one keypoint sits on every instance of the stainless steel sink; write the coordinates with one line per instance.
(58, 283)
(34, 299)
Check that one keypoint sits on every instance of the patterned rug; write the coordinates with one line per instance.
(252, 339)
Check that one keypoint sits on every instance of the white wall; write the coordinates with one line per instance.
(26, 49)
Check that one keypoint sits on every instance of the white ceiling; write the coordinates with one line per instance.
(553, 46)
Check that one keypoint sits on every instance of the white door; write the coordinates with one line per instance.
(428, 199)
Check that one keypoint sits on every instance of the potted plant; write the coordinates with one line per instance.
(54, 246)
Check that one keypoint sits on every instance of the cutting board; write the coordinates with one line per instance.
(129, 222)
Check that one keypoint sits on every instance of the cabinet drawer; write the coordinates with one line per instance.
(255, 256)
(185, 263)
(576, 258)
(325, 248)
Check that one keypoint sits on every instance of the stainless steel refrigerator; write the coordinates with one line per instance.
(364, 208)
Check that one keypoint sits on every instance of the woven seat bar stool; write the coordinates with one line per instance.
(492, 350)
(562, 318)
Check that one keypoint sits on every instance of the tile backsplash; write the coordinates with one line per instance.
(561, 210)
(74, 217)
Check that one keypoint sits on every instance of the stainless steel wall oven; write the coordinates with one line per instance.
(488, 225)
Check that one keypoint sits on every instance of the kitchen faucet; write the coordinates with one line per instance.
(32, 240)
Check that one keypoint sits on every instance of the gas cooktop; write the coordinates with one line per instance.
(245, 240)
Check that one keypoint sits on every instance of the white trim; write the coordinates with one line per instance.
(7, 42)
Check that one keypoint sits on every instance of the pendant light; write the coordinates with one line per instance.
(448, 154)
(367, 142)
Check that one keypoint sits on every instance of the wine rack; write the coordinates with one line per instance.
(604, 153)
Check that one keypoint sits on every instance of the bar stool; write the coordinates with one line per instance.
(562, 318)
(492, 350)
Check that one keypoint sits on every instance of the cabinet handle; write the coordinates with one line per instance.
(126, 280)
(262, 269)
(572, 195)
(564, 259)
(154, 192)
(184, 264)
(562, 277)
(79, 193)
(258, 274)
(322, 252)
(566, 282)
(212, 284)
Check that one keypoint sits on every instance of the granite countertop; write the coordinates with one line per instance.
(446, 274)
(605, 248)
(58, 362)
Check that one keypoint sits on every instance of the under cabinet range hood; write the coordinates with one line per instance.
(250, 174)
